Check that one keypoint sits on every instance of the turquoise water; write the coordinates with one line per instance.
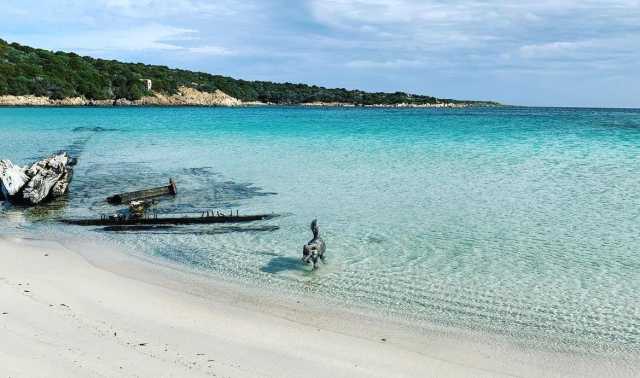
(517, 221)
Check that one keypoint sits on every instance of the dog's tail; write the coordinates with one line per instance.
(314, 228)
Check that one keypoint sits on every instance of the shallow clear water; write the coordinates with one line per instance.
(517, 221)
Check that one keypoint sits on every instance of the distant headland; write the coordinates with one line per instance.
(37, 77)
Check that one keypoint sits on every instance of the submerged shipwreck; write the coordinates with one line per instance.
(131, 220)
(50, 178)
(141, 201)
(144, 194)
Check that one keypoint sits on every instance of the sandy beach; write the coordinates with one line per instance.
(86, 311)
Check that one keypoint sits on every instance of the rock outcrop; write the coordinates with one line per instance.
(191, 97)
(185, 97)
(48, 178)
(12, 178)
(41, 101)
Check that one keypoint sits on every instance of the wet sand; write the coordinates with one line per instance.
(87, 311)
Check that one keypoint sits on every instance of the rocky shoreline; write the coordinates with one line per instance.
(185, 97)
(192, 97)
(400, 105)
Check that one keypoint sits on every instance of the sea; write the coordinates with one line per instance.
(512, 221)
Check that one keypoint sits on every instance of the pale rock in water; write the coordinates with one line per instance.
(12, 178)
(50, 176)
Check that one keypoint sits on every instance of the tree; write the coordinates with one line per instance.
(25, 70)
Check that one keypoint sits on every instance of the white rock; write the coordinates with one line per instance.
(12, 178)
(49, 175)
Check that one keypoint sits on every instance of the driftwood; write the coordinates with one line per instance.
(128, 197)
(120, 220)
(48, 178)
(12, 179)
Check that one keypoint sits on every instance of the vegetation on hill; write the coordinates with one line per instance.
(29, 71)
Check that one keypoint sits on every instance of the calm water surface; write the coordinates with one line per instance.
(517, 221)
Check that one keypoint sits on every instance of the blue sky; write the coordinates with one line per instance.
(568, 53)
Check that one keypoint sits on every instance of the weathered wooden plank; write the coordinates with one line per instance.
(170, 189)
(110, 221)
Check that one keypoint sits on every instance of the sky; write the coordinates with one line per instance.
(538, 53)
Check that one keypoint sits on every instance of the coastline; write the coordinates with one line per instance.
(77, 308)
(192, 97)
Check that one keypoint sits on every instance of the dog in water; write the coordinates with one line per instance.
(314, 249)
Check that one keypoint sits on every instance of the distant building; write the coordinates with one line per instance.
(147, 84)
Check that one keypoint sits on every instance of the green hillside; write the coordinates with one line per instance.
(29, 71)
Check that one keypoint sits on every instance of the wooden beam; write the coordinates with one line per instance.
(121, 220)
(138, 195)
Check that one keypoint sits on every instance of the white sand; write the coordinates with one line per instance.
(103, 313)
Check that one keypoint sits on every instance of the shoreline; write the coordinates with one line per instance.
(250, 105)
(192, 97)
(242, 105)
(84, 309)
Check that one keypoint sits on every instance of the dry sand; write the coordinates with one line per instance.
(86, 311)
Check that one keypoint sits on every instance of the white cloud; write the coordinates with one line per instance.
(344, 13)
(144, 37)
(166, 8)
(150, 37)
(456, 12)
(553, 49)
(394, 64)
(469, 33)
(211, 50)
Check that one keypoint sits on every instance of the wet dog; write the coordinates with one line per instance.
(314, 249)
